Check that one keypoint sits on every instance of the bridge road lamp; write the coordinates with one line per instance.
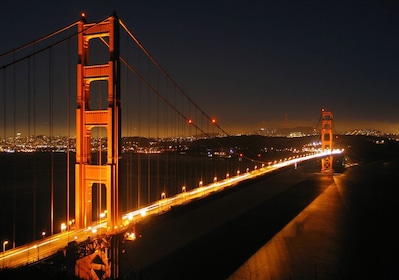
(4, 250)
(183, 192)
(200, 186)
(163, 196)
(63, 227)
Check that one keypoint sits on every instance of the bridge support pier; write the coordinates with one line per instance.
(90, 259)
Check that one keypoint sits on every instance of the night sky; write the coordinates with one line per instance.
(254, 64)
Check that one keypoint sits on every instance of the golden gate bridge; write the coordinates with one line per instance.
(130, 142)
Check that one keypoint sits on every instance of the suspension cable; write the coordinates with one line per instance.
(40, 39)
(167, 75)
(50, 46)
(68, 137)
(51, 101)
(175, 84)
(158, 93)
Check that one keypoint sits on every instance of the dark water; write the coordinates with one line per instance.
(33, 184)
(26, 184)
(348, 232)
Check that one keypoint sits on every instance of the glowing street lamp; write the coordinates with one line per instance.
(43, 234)
(4, 250)
(162, 202)
(63, 227)
(70, 223)
(183, 191)
(4, 245)
(103, 215)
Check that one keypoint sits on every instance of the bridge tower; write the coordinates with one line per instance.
(326, 140)
(87, 118)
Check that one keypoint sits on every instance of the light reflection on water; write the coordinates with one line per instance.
(343, 234)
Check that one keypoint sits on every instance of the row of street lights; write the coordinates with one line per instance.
(5, 242)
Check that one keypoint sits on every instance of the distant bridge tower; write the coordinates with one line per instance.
(326, 140)
(87, 118)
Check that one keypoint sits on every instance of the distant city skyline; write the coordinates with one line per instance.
(250, 64)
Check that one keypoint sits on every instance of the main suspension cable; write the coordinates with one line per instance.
(167, 75)
(40, 39)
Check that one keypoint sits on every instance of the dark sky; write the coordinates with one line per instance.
(250, 63)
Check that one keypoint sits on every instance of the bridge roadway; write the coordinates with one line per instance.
(48, 246)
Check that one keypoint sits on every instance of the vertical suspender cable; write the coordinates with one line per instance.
(126, 123)
(34, 134)
(131, 155)
(29, 134)
(4, 115)
(68, 134)
(4, 104)
(29, 86)
(3, 198)
(158, 137)
(51, 142)
(184, 141)
(202, 158)
(99, 139)
(139, 143)
(15, 164)
(175, 131)
(166, 119)
(149, 147)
